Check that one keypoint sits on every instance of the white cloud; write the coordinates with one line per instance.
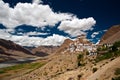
(98, 42)
(31, 14)
(77, 26)
(25, 40)
(40, 15)
(31, 33)
(104, 30)
(35, 33)
(37, 1)
(95, 34)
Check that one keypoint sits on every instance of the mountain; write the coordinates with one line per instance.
(64, 46)
(44, 50)
(71, 62)
(80, 44)
(112, 35)
(12, 51)
(12, 46)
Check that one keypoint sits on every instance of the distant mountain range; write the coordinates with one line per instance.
(44, 50)
(10, 50)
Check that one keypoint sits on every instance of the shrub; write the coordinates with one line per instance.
(80, 56)
(103, 48)
(104, 56)
(116, 78)
(115, 46)
(79, 64)
(117, 71)
(87, 53)
(80, 60)
(79, 76)
(2, 71)
(94, 69)
(71, 78)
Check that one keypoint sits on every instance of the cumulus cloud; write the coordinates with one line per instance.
(37, 1)
(36, 33)
(25, 40)
(98, 42)
(30, 14)
(39, 15)
(77, 26)
(95, 34)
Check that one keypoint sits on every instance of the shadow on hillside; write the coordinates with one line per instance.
(41, 54)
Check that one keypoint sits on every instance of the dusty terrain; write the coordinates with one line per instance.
(58, 65)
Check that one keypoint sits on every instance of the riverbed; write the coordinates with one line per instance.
(18, 61)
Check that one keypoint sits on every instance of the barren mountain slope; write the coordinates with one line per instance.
(44, 50)
(58, 65)
(64, 46)
(107, 71)
(113, 38)
(11, 51)
(111, 32)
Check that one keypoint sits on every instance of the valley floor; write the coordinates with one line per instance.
(64, 67)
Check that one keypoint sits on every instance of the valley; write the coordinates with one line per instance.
(77, 59)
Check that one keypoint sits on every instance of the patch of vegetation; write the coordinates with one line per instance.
(79, 76)
(112, 52)
(103, 48)
(2, 71)
(94, 69)
(45, 73)
(80, 64)
(116, 78)
(104, 56)
(23, 66)
(80, 57)
(87, 53)
(80, 60)
(117, 71)
(71, 78)
(115, 46)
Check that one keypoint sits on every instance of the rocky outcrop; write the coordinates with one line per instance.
(64, 46)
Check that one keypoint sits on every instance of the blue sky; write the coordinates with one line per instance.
(50, 22)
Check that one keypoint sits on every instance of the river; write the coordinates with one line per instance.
(18, 61)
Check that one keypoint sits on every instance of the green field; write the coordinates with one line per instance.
(26, 67)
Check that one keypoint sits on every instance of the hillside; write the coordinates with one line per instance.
(60, 63)
(107, 72)
(11, 51)
(44, 50)
(64, 46)
(112, 35)
(79, 59)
